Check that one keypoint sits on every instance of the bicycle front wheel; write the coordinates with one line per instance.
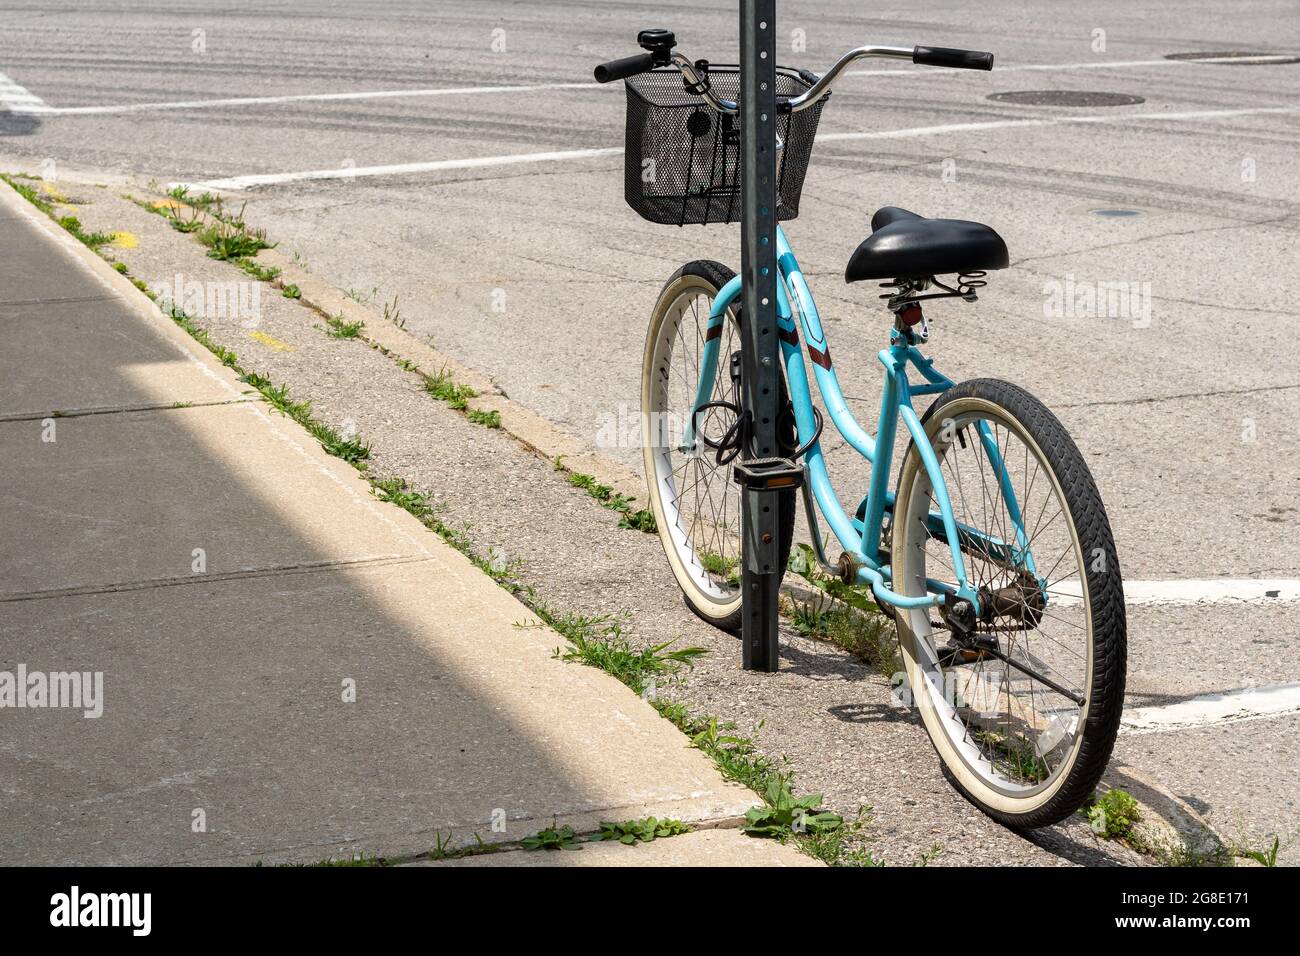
(696, 503)
(1024, 710)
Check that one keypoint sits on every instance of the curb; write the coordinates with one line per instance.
(1163, 811)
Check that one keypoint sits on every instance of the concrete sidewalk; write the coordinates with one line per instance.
(236, 587)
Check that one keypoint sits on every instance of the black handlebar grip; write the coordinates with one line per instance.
(622, 69)
(944, 56)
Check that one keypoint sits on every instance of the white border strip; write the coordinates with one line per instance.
(18, 99)
(1249, 703)
(1184, 116)
(1257, 591)
(350, 172)
(292, 98)
(355, 172)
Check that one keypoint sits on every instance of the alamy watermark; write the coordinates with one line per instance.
(621, 428)
(77, 690)
(130, 910)
(1076, 299)
(232, 299)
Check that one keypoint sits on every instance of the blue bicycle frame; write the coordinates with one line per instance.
(860, 536)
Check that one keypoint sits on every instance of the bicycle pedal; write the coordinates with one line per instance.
(767, 474)
(953, 655)
(974, 650)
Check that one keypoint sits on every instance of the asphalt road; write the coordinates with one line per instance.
(538, 274)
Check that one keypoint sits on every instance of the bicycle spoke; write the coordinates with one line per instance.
(1007, 703)
(704, 502)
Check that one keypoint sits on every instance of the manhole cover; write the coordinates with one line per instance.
(1115, 213)
(1237, 58)
(1065, 98)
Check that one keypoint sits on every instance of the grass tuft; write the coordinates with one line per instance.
(488, 419)
(92, 240)
(28, 193)
(393, 314)
(260, 272)
(445, 389)
(1264, 857)
(634, 519)
(1113, 814)
(600, 642)
(417, 504)
(844, 615)
(339, 328)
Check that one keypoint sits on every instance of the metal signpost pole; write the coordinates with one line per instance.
(761, 576)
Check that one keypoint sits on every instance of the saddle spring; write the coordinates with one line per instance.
(967, 287)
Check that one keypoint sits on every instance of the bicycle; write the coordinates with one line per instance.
(994, 535)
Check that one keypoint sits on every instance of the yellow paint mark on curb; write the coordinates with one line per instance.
(53, 193)
(271, 342)
(167, 204)
(125, 240)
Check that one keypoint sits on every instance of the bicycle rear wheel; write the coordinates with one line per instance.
(696, 503)
(1025, 710)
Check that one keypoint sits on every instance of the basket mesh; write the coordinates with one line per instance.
(682, 159)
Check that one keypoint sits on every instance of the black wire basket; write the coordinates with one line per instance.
(682, 159)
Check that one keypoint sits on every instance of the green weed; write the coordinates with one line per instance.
(1113, 814)
(260, 272)
(339, 328)
(784, 814)
(636, 520)
(630, 832)
(33, 196)
(845, 615)
(393, 314)
(600, 642)
(416, 503)
(1265, 857)
(553, 838)
(92, 240)
(488, 419)
(445, 389)
(1016, 757)
(843, 845)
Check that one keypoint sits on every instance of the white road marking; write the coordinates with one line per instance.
(276, 179)
(1188, 592)
(1212, 709)
(1056, 121)
(18, 99)
(1262, 58)
(298, 98)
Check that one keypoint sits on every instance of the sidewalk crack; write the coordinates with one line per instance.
(215, 577)
(120, 409)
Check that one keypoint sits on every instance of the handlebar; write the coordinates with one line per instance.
(697, 81)
(628, 66)
(946, 56)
